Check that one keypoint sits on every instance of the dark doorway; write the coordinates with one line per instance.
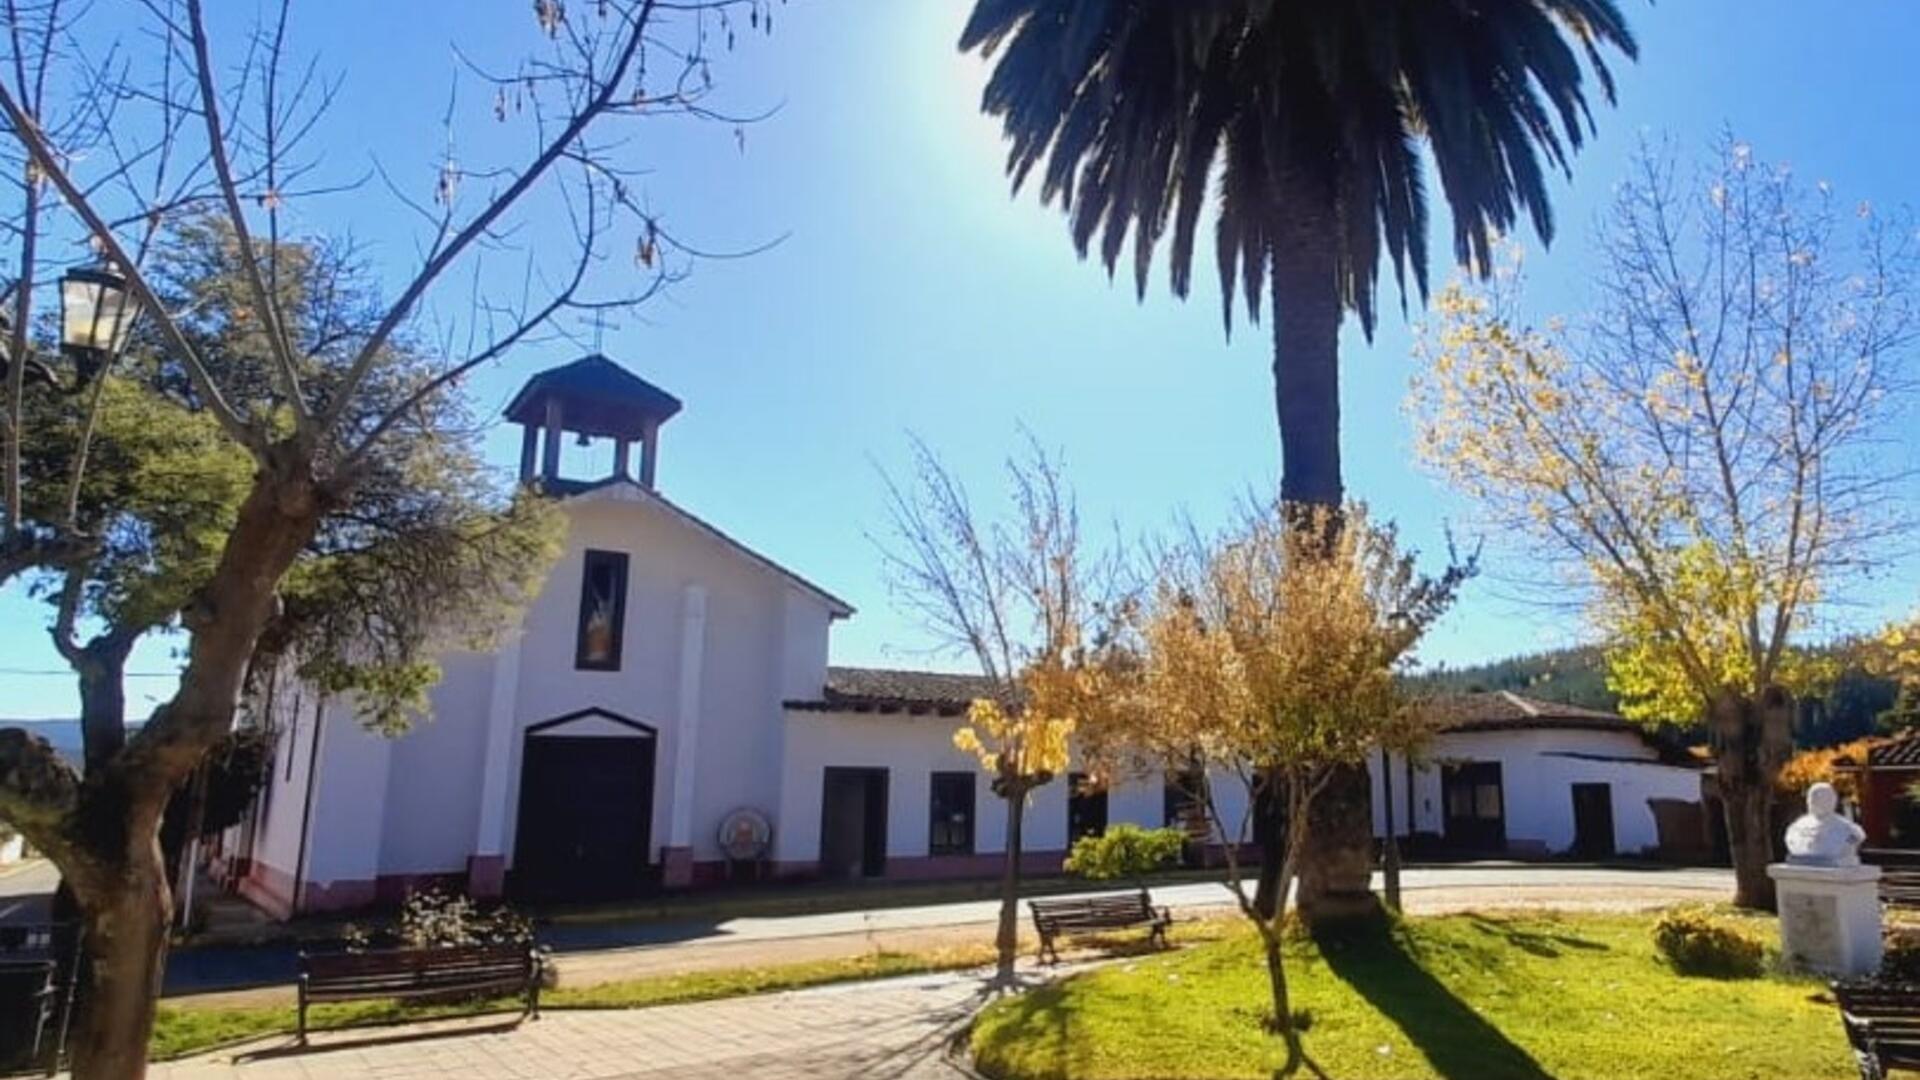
(1476, 807)
(1593, 821)
(586, 817)
(853, 823)
(1086, 807)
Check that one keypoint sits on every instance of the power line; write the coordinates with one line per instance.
(69, 674)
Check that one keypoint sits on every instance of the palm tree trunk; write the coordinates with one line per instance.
(1338, 858)
(1306, 357)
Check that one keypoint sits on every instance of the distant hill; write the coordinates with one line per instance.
(1849, 709)
(63, 734)
(1575, 676)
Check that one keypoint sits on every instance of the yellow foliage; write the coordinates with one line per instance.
(1697, 559)
(1276, 648)
(1809, 767)
(1019, 747)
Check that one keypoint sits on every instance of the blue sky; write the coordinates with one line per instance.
(913, 294)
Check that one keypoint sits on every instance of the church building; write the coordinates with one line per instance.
(666, 717)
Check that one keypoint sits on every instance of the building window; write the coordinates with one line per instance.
(951, 814)
(1184, 802)
(1086, 806)
(603, 611)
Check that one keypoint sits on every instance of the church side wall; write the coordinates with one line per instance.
(349, 813)
(267, 878)
(432, 802)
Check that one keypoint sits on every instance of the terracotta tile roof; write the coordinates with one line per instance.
(888, 690)
(1899, 753)
(1504, 710)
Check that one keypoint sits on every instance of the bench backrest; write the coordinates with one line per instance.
(1878, 999)
(480, 962)
(1124, 905)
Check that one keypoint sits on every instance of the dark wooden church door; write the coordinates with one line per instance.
(586, 817)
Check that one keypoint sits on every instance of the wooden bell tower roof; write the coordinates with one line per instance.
(598, 398)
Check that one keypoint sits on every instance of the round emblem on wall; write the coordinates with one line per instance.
(745, 834)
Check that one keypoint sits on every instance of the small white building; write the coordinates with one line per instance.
(667, 702)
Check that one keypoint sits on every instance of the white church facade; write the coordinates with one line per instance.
(666, 717)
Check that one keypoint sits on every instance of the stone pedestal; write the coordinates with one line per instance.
(1829, 918)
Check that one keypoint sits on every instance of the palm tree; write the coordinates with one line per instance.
(1311, 114)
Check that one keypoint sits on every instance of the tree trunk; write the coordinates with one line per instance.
(1752, 737)
(108, 848)
(1750, 840)
(1008, 939)
(1390, 849)
(102, 668)
(125, 907)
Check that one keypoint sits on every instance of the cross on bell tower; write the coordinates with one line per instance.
(593, 397)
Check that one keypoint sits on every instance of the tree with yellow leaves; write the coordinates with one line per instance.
(1698, 453)
(1011, 594)
(1271, 654)
(1894, 653)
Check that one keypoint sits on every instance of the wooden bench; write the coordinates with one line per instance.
(1900, 887)
(1054, 919)
(418, 973)
(1883, 1025)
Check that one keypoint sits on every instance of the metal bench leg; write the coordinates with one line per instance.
(1869, 1065)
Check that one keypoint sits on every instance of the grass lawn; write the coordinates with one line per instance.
(1466, 997)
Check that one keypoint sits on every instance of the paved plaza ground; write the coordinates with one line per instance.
(895, 1029)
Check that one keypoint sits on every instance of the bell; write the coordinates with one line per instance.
(583, 440)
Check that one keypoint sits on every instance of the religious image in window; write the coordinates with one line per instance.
(603, 610)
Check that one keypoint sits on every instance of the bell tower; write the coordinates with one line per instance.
(591, 398)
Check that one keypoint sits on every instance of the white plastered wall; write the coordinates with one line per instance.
(1538, 769)
(911, 748)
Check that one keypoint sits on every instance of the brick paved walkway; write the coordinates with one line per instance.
(894, 1029)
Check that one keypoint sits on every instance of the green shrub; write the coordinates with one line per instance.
(434, 919)
(1124, 851)
(1696, 943)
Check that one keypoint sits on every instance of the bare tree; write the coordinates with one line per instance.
(1011, 592)
(303, 410)
(1701, 453)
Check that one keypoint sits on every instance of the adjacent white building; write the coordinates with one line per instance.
(666, 717)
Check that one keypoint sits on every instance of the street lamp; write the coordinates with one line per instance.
(96, 314)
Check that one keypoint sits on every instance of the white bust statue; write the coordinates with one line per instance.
(1821, 837)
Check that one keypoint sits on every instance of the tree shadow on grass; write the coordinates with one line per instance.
(1531, 941)
(1035, 1023)
(1458, 1042)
